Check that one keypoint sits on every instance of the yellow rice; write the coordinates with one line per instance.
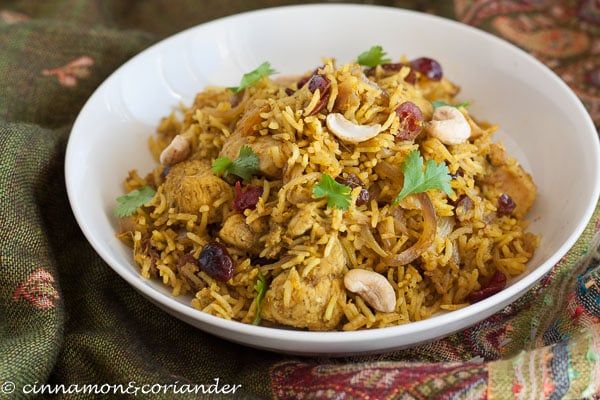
(457, 263)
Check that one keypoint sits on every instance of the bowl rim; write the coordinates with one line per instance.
(505, 296)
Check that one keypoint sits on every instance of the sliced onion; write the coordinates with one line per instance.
(445, 226)
(371, 242)
(399, 220)
(427, 236)
(399, 226)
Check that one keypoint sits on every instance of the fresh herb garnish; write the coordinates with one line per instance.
(435, 176)
(245, 165)
(128, 203)
(261, 288)
(440, 103)
(254, 76)
(338, 195)
(373, 57)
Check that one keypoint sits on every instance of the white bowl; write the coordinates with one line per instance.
(543, 124)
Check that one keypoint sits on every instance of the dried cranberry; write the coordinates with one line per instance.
(506, 205)
(411, 77)
(350, 180)
(216, 262)
(354, 181)
(462, 205)
(303, 81)
(289, 91)
(464, 201)
(247, 198)
(428, 67)
(495, 285)
(363, 197)
(411, 121)
(318, 82)
(306, 78)
(323, 84)
(236, 98)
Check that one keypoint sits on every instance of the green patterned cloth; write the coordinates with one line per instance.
(67, 318)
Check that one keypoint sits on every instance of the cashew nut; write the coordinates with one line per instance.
(178, 150)
(449, 125)
(374, 288)
(349, 131)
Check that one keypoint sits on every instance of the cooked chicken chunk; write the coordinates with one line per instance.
(272, 153)
(507, 176)
(310, 295)
(245, 237)
(299, 194)
(191, 184)
(301, 222)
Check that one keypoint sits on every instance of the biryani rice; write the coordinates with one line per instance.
(465, 252)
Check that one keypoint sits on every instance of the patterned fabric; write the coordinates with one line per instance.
(562, 34)
(65, 317)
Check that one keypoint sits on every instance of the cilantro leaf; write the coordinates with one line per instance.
(128, 203)
(221, 165)
(252, 77)
(373, 57)
(338, 195)
(245, 165)
(435, 176)
(260, 287)
(440, 103)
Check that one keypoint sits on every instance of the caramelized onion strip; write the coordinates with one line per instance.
(427, 236)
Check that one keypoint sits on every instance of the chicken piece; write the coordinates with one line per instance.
(301, 222)
(272, 154)
(299, 194)
(245, 237)
(191, 184)
(507, 176)
(310, 295)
